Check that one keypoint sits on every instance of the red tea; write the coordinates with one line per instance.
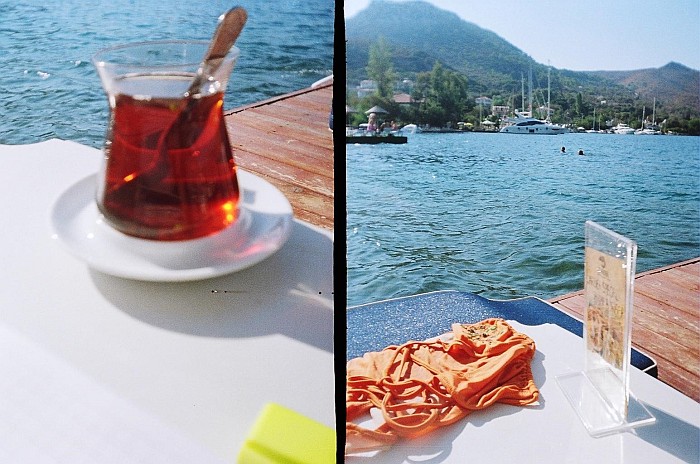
(169, 172)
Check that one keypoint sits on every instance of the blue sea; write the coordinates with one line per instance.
(503, 215)
(49, 89)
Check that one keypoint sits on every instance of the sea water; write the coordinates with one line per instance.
(503, 215)
(49, 89)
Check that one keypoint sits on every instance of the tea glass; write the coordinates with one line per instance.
(168, 171)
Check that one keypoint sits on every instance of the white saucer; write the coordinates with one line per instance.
(262, 228)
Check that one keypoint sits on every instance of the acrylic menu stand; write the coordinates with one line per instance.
(600, 394)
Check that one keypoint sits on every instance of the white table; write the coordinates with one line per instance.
(198, 358)
(552, 432)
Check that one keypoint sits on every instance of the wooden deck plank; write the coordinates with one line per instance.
(289, 173)
(692, 269)
(660, 326)
(651, 309)
(277, 117)
(252, 139)
(665, 289)
(286, 141)
(666, 321)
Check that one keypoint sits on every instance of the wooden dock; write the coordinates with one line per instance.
(286, 141)
(666, 321)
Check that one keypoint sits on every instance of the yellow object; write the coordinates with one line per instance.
(283, 436)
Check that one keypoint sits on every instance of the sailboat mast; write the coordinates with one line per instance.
(594, 119)
(548, 91)
(529, 91)
(522, 89)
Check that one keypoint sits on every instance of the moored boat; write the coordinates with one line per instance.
(522, 124)
(623, 129)
(647, 131)
(410, 129)
(648, 128)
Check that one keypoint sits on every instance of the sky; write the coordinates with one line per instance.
(580, 35)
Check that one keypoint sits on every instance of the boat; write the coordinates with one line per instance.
(623, 129)
(410, 129)
(648, 129)
(593, 131)
(524, 123)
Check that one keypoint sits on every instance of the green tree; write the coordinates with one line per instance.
(380, 68)
(443, 94)
(578, 106)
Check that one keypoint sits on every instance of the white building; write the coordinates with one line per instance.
(500, 110)
(366, 87)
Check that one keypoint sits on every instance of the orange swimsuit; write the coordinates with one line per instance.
(421, 386)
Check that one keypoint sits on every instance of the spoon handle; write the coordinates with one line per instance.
(227, 31)
(230, 26)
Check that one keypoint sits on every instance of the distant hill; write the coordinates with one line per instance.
(674, 84)
(420, 33)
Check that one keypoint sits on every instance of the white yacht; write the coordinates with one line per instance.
(410, 129)
(623, 129)
(524, 124)
(649, 130)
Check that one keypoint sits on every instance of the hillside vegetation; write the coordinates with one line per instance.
(419, 35)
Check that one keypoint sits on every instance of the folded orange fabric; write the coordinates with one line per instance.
(423, 385)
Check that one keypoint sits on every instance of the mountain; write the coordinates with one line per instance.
(674, 84)
(420, 33)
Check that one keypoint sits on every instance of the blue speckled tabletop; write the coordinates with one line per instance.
(373, 326)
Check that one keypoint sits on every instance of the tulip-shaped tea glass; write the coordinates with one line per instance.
(168, 172)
